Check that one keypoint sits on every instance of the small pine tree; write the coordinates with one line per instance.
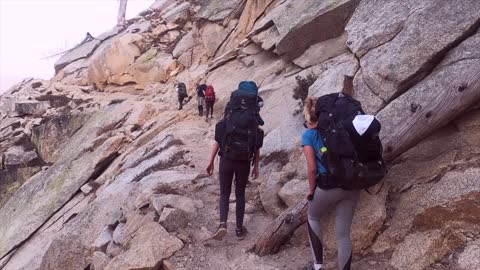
(300, 92)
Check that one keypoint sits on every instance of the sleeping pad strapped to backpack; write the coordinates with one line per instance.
(353, 154)
(241, 126)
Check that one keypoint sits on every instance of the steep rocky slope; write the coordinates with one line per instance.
(99, 170)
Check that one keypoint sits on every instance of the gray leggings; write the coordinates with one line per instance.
(344, 202)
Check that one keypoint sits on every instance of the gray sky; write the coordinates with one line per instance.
(31, 30)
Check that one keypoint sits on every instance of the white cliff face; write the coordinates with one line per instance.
(99, 170)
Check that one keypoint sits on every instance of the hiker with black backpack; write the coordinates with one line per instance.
(182, 94)
(344, 155)
(201, 97)
(238, 140)
(209, 100)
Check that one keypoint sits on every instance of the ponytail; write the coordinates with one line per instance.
(309, 109)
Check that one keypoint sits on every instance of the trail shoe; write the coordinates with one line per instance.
(313, 267)
(241, 233)
(221, 232)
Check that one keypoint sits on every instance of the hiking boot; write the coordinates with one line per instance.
(240, 233)
(221, 232)
(311, 267)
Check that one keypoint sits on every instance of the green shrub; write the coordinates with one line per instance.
(300, 92)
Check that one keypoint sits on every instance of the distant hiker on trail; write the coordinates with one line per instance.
(182, 94)
(344, 155)
(201, 97)
(238, 140)
(209, 100)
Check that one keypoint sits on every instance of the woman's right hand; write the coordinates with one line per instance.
(210, 168)
(310, 195)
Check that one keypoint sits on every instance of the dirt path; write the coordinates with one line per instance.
(199, 253)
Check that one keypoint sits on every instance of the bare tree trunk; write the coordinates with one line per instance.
(122, 10)
(281, 229)
(443, 109)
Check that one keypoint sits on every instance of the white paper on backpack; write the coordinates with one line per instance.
(362, 123)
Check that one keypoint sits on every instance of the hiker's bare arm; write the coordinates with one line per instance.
(211, 165)
(312, 167)
(256, 164)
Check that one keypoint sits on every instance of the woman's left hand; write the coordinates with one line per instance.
(255, 172)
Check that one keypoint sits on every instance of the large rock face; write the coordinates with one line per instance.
(322, 51)
(450, 73)
(470, 257)
(296, 27)
(416, 46)
(335, 78)
(100, 170)
(107, 63)
(421, 249)
(454, 201)
(31, 108)
(50, 136)
(18, 155)
(218, 11)
(213, 36)
(82, 51)
(58, 184)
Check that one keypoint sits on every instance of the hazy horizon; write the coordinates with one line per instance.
(32, 30)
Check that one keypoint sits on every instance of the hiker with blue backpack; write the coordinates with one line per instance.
(238, 140)
(344, 155)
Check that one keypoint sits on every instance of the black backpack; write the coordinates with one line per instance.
(353, 161)
(241, 126)
(201, 90)
(182, 90)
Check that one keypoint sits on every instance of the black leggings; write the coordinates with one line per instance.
(180, 102)
(209, 108)
(228, 169)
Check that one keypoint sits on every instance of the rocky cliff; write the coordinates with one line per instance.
(99, 170)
